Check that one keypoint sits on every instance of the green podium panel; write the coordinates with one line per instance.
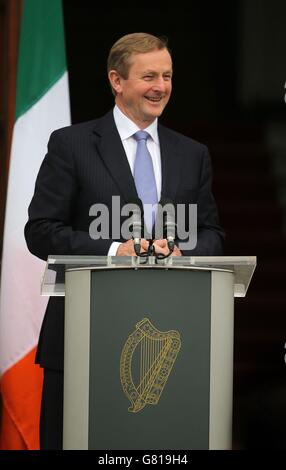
(135, 361)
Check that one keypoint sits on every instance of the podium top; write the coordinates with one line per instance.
(53, 283)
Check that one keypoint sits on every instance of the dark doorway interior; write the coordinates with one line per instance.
(202, 39)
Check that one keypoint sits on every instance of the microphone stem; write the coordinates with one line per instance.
(151, 249)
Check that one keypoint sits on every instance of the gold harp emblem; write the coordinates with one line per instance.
(149, 366)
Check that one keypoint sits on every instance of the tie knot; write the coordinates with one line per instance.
(141, 135)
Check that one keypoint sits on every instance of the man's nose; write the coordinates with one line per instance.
(160, 84)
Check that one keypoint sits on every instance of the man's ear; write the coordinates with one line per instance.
(115, 81)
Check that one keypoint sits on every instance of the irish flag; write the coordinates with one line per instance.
(42, 105)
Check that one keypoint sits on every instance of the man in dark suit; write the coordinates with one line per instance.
(92, 162)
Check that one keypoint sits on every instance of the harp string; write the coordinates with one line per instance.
(151, 353)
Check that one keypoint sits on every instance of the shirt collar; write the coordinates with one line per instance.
(126, 128)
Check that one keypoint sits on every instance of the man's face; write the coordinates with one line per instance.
(145, 93)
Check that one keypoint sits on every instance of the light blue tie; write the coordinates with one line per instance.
(145, 178)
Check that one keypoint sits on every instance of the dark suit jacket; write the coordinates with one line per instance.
(86, 164)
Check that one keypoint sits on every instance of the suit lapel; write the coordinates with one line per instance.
(112, 152)
(171, 163)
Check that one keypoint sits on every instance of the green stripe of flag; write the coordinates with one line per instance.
(42, 51)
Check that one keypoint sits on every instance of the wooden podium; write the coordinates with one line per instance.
(148, 349)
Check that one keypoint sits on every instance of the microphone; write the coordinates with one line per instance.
(137, 225)
(169, 223)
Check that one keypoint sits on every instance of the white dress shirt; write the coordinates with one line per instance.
(126, 129)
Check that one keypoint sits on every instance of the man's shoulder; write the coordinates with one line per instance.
(181, 139)
(74, 129)
(82, 128)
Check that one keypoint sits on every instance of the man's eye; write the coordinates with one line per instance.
(167, 77)
(148, 77)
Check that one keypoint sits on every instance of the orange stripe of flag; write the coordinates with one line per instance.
(21, 389)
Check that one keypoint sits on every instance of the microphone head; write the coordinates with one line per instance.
(169, 218)
(165, 200)
(137, 203)
(137, 225)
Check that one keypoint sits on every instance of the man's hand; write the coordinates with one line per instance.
(127, 248)
(161, 246)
